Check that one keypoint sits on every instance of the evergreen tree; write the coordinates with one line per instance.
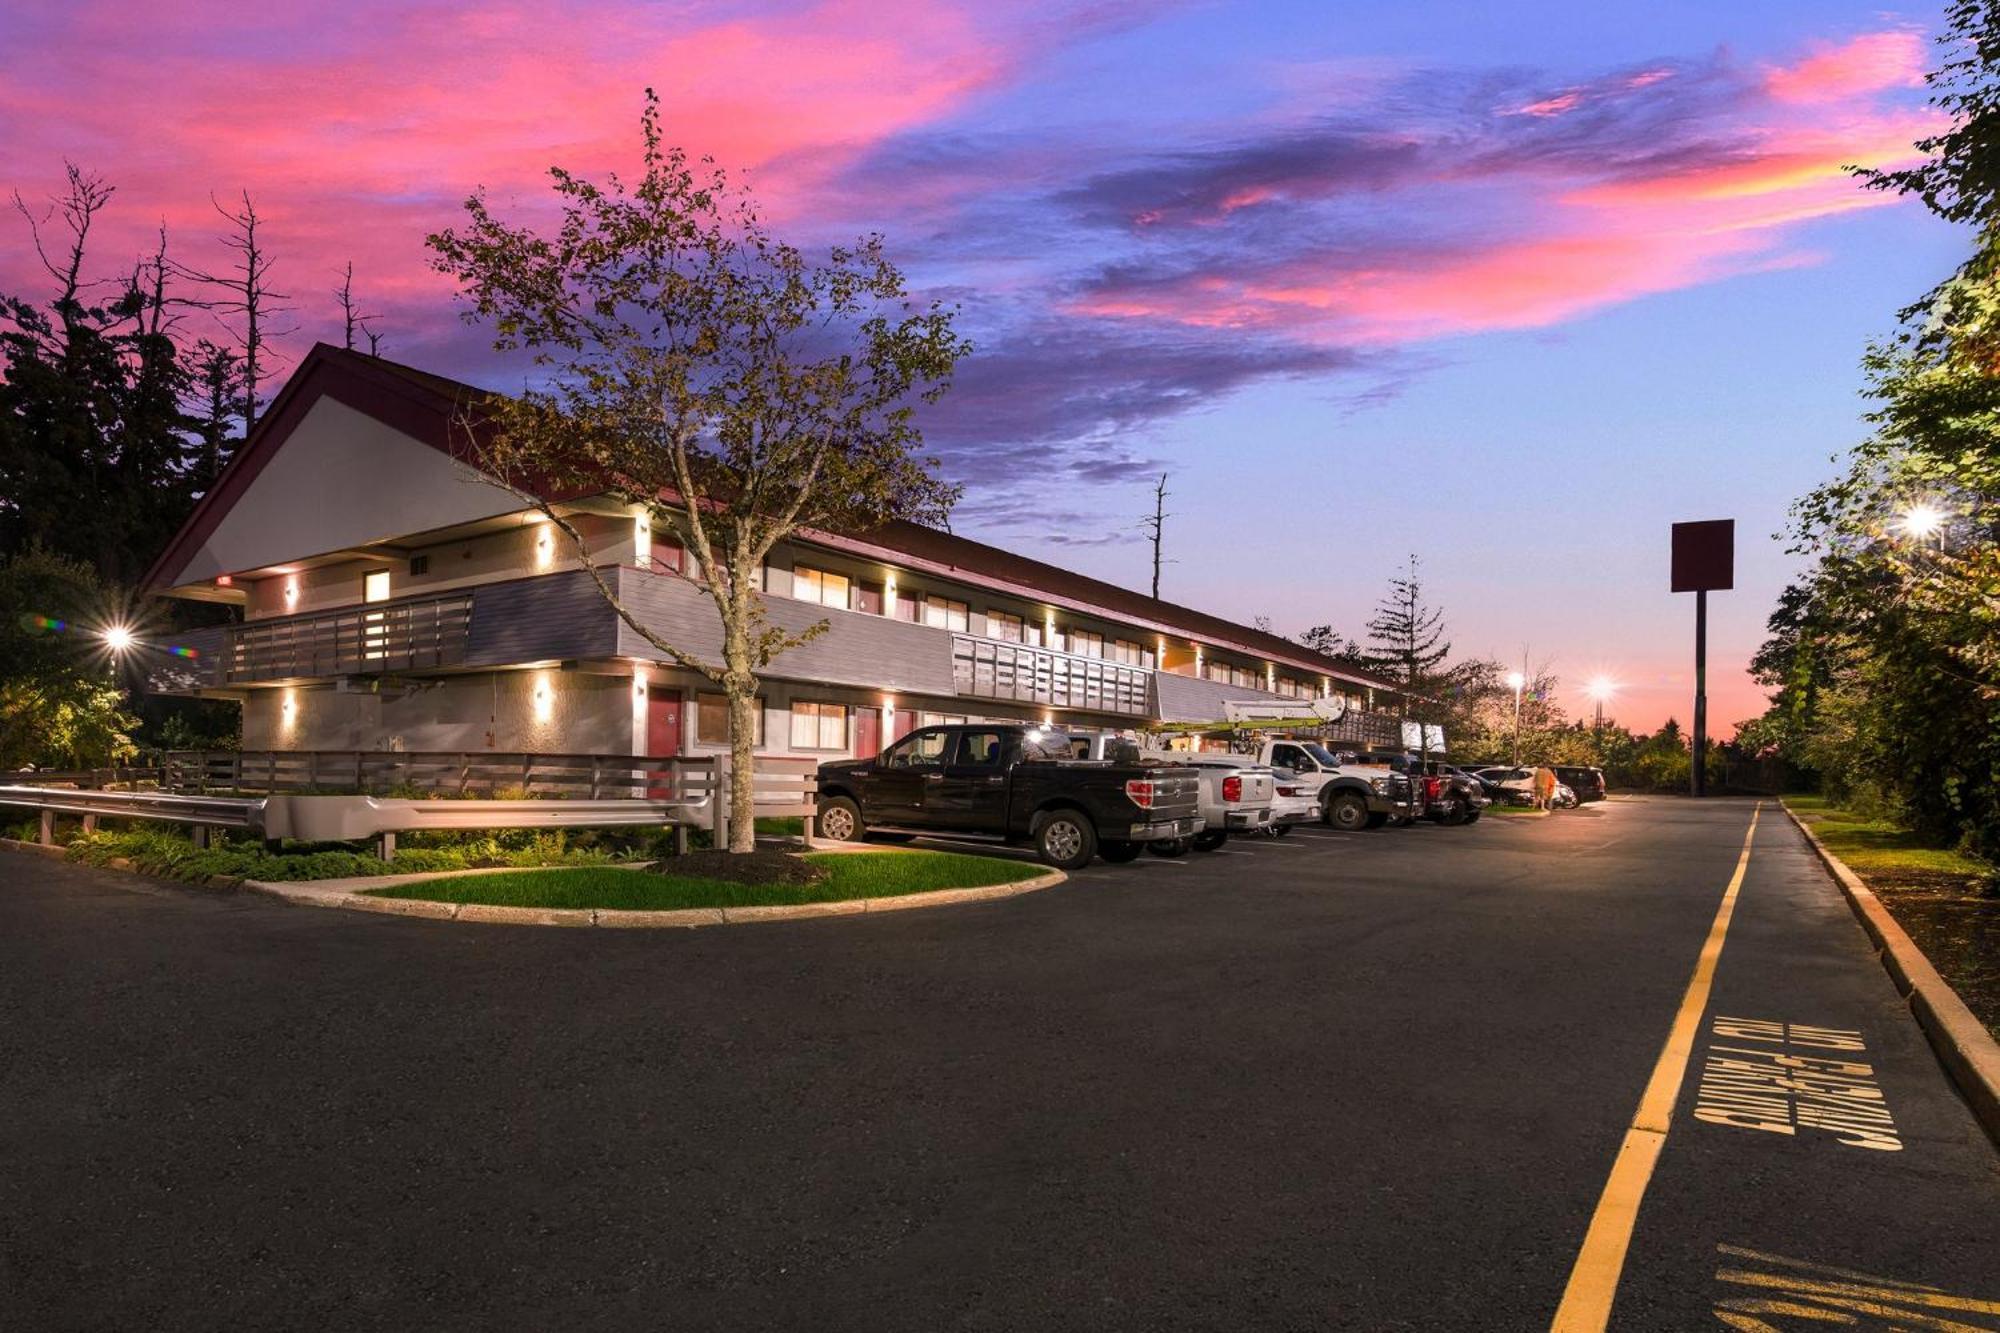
(1407, 645)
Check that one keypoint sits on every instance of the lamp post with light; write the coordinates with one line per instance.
(1518, 680)
(1599, 690)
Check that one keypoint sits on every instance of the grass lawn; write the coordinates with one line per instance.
(849, 875)
(1876, 848)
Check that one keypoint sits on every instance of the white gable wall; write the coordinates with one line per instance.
(342, 479)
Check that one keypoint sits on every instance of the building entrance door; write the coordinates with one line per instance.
(663, 724)
(867, 732)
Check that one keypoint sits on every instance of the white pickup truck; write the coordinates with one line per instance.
(1351, 795)
(1236, 791)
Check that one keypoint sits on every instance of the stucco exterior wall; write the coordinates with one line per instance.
(545, 711)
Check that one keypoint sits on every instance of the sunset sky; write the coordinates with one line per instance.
(1512, 286)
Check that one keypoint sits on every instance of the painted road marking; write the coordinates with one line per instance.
(1780, 1078)
(1818, 1294)
(1593, 1282)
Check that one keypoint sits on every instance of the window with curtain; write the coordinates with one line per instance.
(818, 726)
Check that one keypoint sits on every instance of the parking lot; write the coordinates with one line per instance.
(1372, 1080)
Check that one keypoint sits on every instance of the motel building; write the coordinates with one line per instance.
(393, 600)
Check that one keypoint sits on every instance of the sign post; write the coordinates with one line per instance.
(1704, 559)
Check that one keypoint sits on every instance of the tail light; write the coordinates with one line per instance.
(1140, 792)
(1232, 789)
(1291, 791)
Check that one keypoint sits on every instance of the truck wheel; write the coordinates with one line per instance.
(1172, 847)
(1281, 830)
(1210, 839)
(1455, 813)
(1118, 853)
(1347, 811)
(840, 820)
(1066, 840)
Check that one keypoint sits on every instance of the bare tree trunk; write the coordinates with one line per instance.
(742, 767)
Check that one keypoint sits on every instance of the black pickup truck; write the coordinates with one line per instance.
(1014, 783)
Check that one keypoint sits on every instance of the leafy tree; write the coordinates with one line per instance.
(1325, 639)
(694, 364)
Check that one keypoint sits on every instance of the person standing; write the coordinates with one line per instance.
(1545, 787)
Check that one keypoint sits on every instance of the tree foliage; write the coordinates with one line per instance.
(1884, 660)
(59, 706)
(691, 363)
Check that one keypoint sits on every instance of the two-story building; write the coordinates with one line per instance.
(395, 599)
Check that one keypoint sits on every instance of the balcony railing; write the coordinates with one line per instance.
(370, 639)
(994, 669)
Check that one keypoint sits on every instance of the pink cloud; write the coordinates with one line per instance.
(1872, 62)
(358, 135)
(1571, 233)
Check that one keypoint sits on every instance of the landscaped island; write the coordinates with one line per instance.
(756, 880)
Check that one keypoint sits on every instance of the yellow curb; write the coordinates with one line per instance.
(1963, 1045)
(355, 902)
(793, 911)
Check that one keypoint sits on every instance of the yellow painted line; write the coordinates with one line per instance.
(1593, 1282)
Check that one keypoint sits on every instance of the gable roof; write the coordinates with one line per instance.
(425, 407)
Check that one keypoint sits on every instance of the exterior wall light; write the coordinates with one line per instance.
(642, 539)
(288, 711)
(545, 545)
(291, 592)
(543, 697)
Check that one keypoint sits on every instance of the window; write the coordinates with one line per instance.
(711, 720)
(1244, 677)
(816, 585)
(940, 719)
(1086, 643)
(818, 726)
(981, 749)
(943, 613)
(420, 564)
(1001, 625)
(1128, 652)
(917, 750)
(375, 586)
(1216, 671)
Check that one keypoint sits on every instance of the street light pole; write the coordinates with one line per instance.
(1518, 680)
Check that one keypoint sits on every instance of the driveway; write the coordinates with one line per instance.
(1366, 1081)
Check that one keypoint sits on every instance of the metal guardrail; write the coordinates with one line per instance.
(679, 793)
(449, 772)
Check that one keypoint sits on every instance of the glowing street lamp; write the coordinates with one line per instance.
(1600, 689)
(117, 638)
(1922, 521)
(1517, 680)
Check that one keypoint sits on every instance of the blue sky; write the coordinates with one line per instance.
(1509, 286)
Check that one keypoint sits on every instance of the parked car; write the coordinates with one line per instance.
(1452, 797)
(1515, 785)
(1350, 795)
(1587, 782)
(1564, 797)
(1292, 802)
(1012, 783)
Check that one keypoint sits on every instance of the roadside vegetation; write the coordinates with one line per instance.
(1884, 659)
(171, 854)
(829, 877)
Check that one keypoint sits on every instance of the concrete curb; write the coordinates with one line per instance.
(334, 893)
(1963, 1045)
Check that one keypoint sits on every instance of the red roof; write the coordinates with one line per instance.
(424, 406)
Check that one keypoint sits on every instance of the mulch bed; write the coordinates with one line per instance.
(1957, 927)
(761, 867)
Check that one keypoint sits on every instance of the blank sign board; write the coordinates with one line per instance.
(1705, 555)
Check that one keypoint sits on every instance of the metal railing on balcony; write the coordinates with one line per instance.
(1023, 673)
(370, 639)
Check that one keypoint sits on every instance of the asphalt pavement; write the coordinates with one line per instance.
(1366, 1081)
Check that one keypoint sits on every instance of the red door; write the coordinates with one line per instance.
(663, 724)
(901, 722)
(867, 732)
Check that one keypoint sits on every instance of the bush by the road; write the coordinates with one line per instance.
(173, 855)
